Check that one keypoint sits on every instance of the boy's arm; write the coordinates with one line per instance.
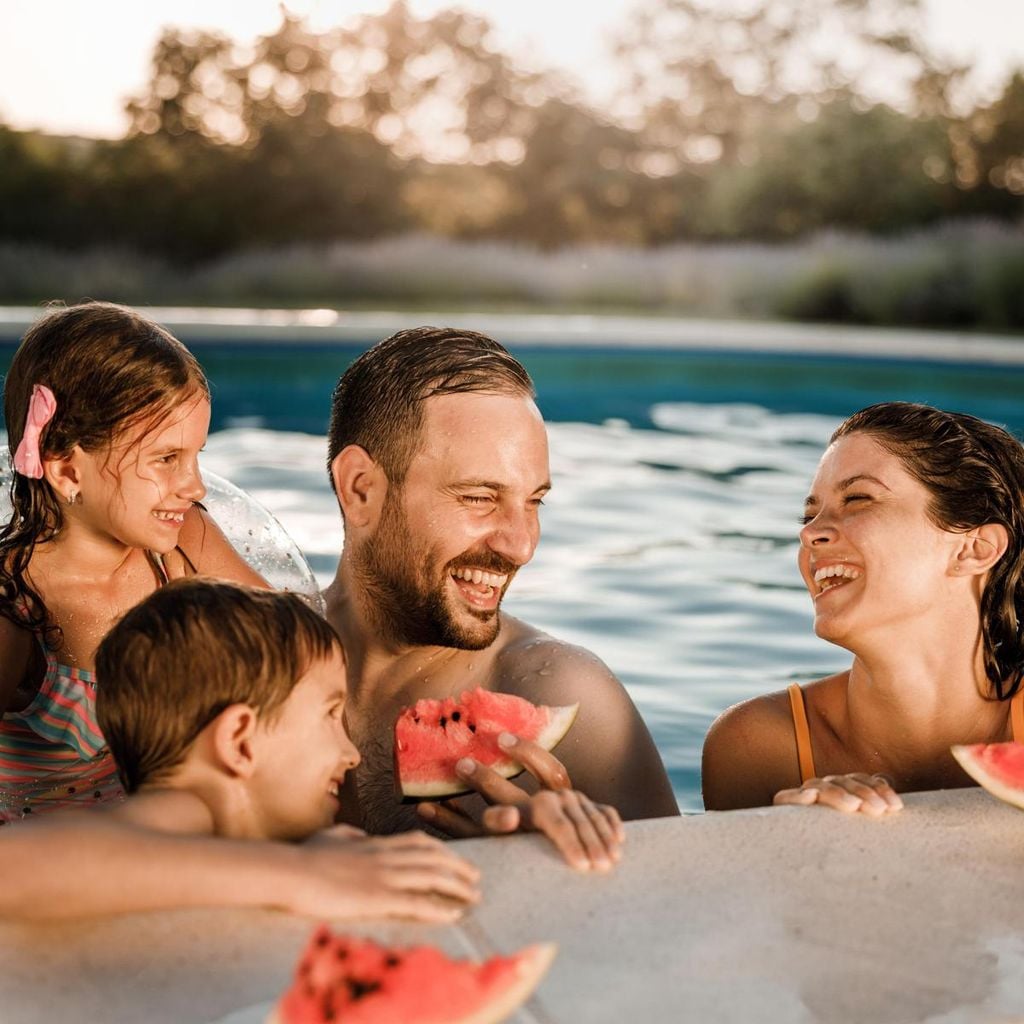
(104, 862)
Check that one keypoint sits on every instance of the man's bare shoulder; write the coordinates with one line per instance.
(544, 669)
(608, 752)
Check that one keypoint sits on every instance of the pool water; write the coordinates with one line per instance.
(669, 543)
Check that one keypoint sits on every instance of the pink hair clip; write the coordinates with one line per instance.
(41, 407)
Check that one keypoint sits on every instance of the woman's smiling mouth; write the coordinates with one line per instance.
(828, 577)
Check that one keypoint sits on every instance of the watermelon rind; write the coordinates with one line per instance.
(533, 965)
(550, 736)
(972, 763)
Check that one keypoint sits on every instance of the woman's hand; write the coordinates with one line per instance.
(588, 835)
(347, 875)
(856, 793)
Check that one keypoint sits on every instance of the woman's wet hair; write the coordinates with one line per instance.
(974, 474)
(110, 370)
(188, 651)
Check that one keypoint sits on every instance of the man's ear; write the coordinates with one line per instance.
(231, 740)
(361, 485)
(980, 549)
(64, 475)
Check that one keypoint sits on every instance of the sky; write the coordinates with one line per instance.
(67, 66)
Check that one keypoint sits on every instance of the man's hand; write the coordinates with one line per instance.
(411, 875)
(856, 793)
(588, 835)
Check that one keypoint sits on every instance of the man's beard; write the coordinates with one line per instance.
(410, 610)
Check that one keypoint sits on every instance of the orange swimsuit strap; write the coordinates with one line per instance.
(804, 753)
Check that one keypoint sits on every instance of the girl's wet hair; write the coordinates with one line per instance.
(110, 370)
(974, 472)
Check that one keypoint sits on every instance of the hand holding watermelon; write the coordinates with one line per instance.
(588, 835)
(410, 875)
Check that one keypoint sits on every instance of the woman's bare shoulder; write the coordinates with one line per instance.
(750, 753)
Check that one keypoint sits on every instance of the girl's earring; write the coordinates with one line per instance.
(73, 498)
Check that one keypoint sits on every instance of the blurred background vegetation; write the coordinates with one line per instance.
(745, 170)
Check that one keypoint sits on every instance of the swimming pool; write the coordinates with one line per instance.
(669, 538)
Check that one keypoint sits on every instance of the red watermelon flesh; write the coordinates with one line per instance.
(356, 981)
(432, 735)
(999, 767)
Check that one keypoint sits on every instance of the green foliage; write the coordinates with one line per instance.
(395, 124)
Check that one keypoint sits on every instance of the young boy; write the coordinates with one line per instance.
(223, 707)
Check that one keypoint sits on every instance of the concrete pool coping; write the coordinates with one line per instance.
(329, 326)
(775, 914)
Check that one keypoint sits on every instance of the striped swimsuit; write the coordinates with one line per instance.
(52, 753)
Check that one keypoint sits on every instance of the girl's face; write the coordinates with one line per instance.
(871, 557)
(139, 491)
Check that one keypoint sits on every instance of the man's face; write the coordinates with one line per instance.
(451, 538)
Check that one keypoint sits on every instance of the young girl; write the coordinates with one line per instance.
(913, 553)
(106, 414)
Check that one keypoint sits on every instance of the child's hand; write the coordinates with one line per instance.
(856, 793)
(410, 875)
(588, 835)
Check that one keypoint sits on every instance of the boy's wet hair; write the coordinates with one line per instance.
(190, 650)
(110, 369)
(377, 404)
(974, 473)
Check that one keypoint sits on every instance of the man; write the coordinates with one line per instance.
(438, 456)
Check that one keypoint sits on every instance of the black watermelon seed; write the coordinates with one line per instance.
(26, 810)
(456, 715)
(472, 727)
(341, 953)
(322, 940)
(444, 721)
(360, 989)
(392, 961)
(97, 794)
(71, 789)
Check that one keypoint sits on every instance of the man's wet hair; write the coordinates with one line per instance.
(189, 651)
(378, 403)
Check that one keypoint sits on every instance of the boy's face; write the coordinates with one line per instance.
(303, 754)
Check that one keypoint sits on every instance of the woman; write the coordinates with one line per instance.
(912, 549)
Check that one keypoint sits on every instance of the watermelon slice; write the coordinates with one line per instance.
(356, 981)
(432, 735)
(999, 767)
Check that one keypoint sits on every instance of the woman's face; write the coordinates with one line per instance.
(870, 556)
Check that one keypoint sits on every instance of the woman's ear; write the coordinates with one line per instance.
(980, 549)
(231, 740)
(64, 475)
(360, 484)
